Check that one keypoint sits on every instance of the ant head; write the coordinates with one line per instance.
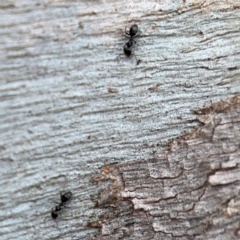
(66, 196)
(133, 30)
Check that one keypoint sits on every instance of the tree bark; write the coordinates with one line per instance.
(72, 102)
(190, 191)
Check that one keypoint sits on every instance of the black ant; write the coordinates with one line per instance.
(56, 210)
(64, 199)
(127, 49)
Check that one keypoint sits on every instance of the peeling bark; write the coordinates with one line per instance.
(190, 191)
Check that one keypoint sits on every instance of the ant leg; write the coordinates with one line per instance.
(119, 56)
(57, 223)
(61, 194)
(67, 206)
(57, 226)
(56, 202)
(45, 219)
(138, 60)
(54, 221)
(64, 205)
(128, 35)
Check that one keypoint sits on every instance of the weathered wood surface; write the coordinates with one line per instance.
(70, 105)
(191, 191)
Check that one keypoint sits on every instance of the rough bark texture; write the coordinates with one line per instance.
(69, 104)
(191, 191)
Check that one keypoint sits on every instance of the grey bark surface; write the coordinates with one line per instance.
(190, 191)
(70, 104)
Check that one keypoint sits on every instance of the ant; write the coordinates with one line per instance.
(64, 199)
(56, 210)
(127, 49)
